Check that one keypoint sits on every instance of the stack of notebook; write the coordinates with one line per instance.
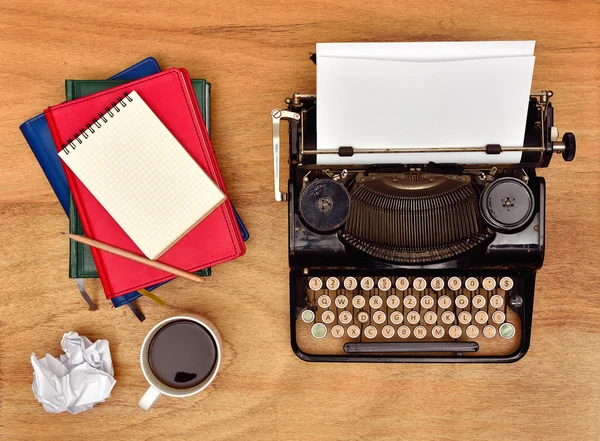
(127, 189)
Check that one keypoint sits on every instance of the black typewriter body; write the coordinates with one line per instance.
(414, 263)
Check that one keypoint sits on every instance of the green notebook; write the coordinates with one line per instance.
(81, 261)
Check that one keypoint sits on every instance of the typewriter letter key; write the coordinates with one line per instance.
(444, 302)
(345, 317)
(324, 301)
(358, 302)
(341, 302)
(350, 283)
(315, 284)
(375, 302)
(353, 331)
(396, 317)
(402, 283)
(388, 331)
(337, 331)
(332, 283)
(384, 284)
(437, 283)
(393, 302)
(419, 284)
(454, 283)
(370, 332)
(367, 283)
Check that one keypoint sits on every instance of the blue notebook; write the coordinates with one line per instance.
(37, 134)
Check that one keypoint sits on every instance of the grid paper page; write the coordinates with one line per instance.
(142, 176)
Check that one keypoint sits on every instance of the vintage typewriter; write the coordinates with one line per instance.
(414, 263)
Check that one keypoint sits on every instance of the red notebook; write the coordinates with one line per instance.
(215, 240)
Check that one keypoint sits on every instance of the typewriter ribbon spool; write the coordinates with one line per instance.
(507, 204)
(325, 205)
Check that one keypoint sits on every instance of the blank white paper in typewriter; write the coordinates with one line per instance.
(452, 94)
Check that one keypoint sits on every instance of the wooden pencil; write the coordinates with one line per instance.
(136, 258)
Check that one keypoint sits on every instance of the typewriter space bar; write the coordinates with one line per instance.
(411, 346)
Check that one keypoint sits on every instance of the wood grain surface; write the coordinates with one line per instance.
(255, 53)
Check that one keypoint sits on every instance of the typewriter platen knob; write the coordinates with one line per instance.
(568, 140)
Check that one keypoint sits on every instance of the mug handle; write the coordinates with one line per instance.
(149, 398)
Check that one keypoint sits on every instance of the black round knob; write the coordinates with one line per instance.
(515, 301)
(570, 147)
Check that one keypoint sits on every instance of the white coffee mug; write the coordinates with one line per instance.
(157, 388)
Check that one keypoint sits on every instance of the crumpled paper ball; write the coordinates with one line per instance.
(78, 379)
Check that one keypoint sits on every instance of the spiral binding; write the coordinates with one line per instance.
(96, 123)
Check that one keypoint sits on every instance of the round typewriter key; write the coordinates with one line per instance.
(324, 205)
(315, 284)
(332, 283)
(489, 283)
(430, 317)
(341, 302)
(402, 283)
(375, 302)
(403, 331)
(481, 317)
(437, 283)
(413, 317)
(396, 317)
(472, 331)
(350, 283)
(393, 301)
(345, 317)
(410, 301)
(308, 316)
(328, 317)
(507, 204)
(353, 331)
(455, 331)
(384, 284)
(420, 332)
(419, 284)
(367, 283)
(447, 317)
(438, 331)
(507, 331)
(318, 330)
(427, 302)
(496, 301)
(358, 302)
(489, 331)
(337, 331)
(324, 301)
(454, 283)
(498, 317)
(506, 283)
(388, 331)
(472, 284)
(464, 317)
(479, 301)
(379, 317)
(370, 331)
(461, 301)
(444, 302)
(362, 317)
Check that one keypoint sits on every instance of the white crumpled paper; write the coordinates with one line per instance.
(80, 378)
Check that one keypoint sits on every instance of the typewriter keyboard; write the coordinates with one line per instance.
(343, 310)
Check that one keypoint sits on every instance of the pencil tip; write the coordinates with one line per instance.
(63, 233)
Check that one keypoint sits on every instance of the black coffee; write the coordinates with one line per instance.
(182, 354)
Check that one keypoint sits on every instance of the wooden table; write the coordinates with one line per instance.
(255, 54)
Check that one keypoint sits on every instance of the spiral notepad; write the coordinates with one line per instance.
(141, 175)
